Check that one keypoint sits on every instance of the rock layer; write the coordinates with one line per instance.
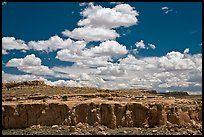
(9, 85)
(111, 114)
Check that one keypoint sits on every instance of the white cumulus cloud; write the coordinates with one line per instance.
(53, 43)
(186, 51)
(6, 77)
(152, 46)
(30, 64)
(91, 34)
(108, 48)
(140, 45)
(95, 56)
(98, 16)
(10, 43)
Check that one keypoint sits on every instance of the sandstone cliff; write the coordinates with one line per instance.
(110, 114)
(26, 104)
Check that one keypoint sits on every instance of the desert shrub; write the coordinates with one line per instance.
(64, 98)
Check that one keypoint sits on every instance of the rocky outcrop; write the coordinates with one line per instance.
(110, 114)
(26, 115)
(9, 85)
(157, 115)
(183, 116)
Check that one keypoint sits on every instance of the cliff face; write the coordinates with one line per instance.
(110, 113)
(25, 104)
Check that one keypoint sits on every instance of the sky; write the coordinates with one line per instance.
(110, 45)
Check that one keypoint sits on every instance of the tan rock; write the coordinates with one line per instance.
(107, 115)
(112, 114)
(101, 133)
(119, 112)
(157, 116)
(55, 126)
(80, 125)
(72, 129)
(138, 114)
(37, 97)
(55, 114)
(154, 131)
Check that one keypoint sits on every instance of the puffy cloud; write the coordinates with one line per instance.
(72, 72)
(174, 54)
(139, 82)
(91, 34)
(30, 64)
(68, 55)
(174, 84)
(10, 43)
(176, 61)
(95, 62)
(131, 63)
(69, 83)
(113, 70)
(6, 77)
(195, 76)
(108, 48)
(95, 82)
(186, 51)
(126, 9)
(97, 16)
(152, 46)
(197, 59)
(81, 57)
(140, 45)
(96, 56)
(98, 22)
(29, 60)
(132, 72)
(177, 71)
(84, 77)
(53, 43)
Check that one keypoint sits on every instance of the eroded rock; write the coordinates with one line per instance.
(110, 114)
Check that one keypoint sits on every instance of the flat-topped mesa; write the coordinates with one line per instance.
(149, 91)
(177, 93)
(8, 85)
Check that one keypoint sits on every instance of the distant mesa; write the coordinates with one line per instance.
(149, 91)
(177, 93)
(11, 85)
(8, 85)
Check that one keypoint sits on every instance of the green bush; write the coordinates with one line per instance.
(64, 98)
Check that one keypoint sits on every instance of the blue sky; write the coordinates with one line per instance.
(170, 27)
